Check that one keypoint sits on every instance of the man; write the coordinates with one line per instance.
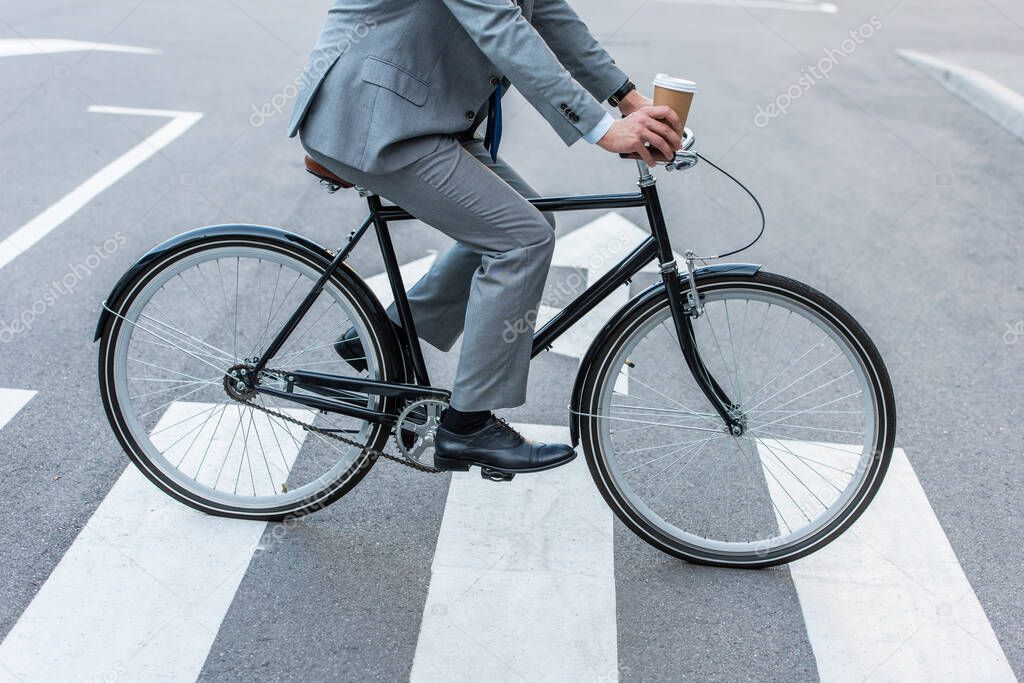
(391, 100)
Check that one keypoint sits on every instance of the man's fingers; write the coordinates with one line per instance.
(645, 154)
(667, 114)
(659, 143)
(666, 132)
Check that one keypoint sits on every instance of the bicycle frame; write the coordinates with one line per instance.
(655, 246)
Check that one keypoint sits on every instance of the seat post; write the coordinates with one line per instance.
(394, 273)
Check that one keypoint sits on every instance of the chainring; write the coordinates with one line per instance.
(416, 428)
(245, 396)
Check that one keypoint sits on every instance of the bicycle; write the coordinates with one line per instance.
(729, 416)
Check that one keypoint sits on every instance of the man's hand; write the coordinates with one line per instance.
(633, 101)
(654, 125)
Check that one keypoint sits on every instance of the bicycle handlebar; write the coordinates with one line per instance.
(688, 139)
(683, 158)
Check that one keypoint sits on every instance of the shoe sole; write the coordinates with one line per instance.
(456, 465)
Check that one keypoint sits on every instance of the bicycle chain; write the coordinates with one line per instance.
(331, 435)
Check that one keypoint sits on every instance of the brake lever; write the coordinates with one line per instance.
(684, 159)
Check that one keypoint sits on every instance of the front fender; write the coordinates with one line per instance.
(199, 235)
(742, 269)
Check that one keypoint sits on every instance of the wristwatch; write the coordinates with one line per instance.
(617, 96)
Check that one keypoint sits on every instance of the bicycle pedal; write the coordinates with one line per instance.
(495, 475)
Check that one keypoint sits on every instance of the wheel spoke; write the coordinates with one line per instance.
(814, 409)
(655, 424)
(181, 386)
(801, 378)
(791, 369)
(662, 457)
(664, 396)
(201, 311)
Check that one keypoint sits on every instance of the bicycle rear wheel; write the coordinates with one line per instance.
(201, 309)
(808, 384)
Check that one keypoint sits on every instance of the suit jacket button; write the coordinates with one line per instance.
(495, 80)
(563, 106)
(574, 118)
(470, 115)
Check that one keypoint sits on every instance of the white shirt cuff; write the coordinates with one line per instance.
(598, 131)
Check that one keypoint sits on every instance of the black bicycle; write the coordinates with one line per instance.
(729, 416)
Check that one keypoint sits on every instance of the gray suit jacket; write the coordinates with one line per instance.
(387, 76)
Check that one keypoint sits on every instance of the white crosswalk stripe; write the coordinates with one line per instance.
(147, 582)
(522, 584)
(592, 251)
(11, 402)
(888, 599)
(411, 272)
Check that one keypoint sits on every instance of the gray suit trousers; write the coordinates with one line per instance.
(487, 286)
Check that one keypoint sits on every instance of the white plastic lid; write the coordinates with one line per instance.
(673, 83)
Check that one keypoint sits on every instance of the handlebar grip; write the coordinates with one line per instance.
(687, 142)
(654, 153)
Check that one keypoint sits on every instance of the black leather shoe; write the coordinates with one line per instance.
(498, 449)
(350, 349)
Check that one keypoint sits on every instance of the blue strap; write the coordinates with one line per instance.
(492, 138)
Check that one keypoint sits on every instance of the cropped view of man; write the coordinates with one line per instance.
(393, 100)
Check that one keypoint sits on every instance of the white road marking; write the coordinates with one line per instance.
(144, 588)
(40, 226)
(791, 5)
(1000, 103)
(594, 249)
(522, 584)
(11, 402)
(17, 47)
(888, 600)
(411, 272)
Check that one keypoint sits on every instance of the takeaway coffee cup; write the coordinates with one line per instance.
(676, 93)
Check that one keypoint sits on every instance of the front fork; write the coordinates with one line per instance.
(686, 308)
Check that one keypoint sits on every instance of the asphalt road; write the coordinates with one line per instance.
(882, 189)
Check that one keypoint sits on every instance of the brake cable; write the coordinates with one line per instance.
(760, 233)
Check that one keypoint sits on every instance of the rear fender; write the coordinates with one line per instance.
(197, 236)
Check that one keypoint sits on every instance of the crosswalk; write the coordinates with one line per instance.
(523, 573)
(150, 580)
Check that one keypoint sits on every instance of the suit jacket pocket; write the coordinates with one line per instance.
(396, 79)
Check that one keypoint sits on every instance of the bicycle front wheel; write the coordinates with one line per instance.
(808, 386)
